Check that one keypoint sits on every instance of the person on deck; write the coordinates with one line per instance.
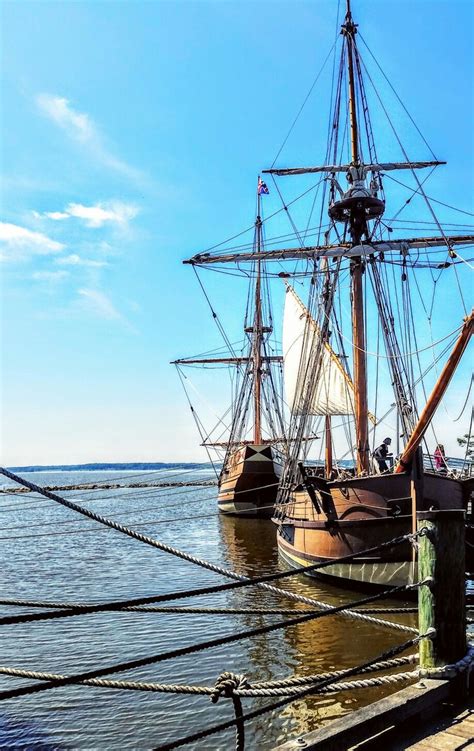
(381, 453)
(440, 459)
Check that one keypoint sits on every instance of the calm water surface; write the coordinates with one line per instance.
(49, 553)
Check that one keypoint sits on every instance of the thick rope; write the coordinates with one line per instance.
(227, 685)
(466, 663)
(191, 610)
(324, 609)
(245, 688)
(230, 683)
(307, 679)
(213, 567)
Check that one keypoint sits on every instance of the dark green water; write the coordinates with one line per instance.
(50, 554)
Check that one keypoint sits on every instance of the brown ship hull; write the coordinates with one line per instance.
(249, 482)
(361, 513)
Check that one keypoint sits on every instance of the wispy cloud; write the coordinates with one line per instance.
(77, 124)
(76, 260)
(20, 242)
(80, 127)
(56, 215)
(50, 276)
(102, 306)
(115, 212)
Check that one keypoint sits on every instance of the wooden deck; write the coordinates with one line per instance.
(419, 718)
(451, 730)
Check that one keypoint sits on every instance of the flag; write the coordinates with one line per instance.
(262, 189)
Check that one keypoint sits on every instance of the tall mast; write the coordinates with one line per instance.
(258, 330)
(349, 30)
(327, 419)
(357, 227)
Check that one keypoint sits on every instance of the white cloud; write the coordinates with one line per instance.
(77, 124)
(100, 304)
(20, 242)
(96, 216)
(81, 128)
(117, 212)
(75, 260)
(50, 276)
(56, 215)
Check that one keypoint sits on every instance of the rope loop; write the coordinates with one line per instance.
(227, 683)
(465, 664)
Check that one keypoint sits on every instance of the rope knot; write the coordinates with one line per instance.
(227, 683)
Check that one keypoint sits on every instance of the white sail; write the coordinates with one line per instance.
(334, 391)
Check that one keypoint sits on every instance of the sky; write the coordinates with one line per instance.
(132, 134)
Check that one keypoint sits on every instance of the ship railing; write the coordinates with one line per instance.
(454, 465)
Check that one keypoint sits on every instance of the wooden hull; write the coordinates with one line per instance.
(249, 482)
(363, 513)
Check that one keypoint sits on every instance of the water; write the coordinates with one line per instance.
(49, 553)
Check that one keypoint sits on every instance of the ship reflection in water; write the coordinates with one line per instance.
(329, 643)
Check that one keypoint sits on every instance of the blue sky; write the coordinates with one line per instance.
(132, 135)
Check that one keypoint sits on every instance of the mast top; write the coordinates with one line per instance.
(349, 27)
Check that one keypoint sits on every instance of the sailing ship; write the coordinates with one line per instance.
(330, 509)
(251, 466)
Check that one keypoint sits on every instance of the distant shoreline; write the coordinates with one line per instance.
(105, 466)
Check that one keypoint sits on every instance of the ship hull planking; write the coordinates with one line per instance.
(249, 482)
(359, 514)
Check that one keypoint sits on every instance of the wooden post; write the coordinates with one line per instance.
(417, 496)
(442, 605)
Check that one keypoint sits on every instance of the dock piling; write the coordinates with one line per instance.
(442, 602)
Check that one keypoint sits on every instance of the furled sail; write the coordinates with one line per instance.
(334, 392)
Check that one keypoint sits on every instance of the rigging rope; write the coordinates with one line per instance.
(304, 102)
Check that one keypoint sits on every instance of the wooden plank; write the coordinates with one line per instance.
(437, 743)
(467, 717)
(370, 720)
(461, 730)
(445, 732)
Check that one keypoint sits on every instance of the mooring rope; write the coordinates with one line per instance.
(466, 663)
(250, 689)
(121, 604)
(190, 610)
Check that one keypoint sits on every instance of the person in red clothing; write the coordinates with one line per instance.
(440, 459)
